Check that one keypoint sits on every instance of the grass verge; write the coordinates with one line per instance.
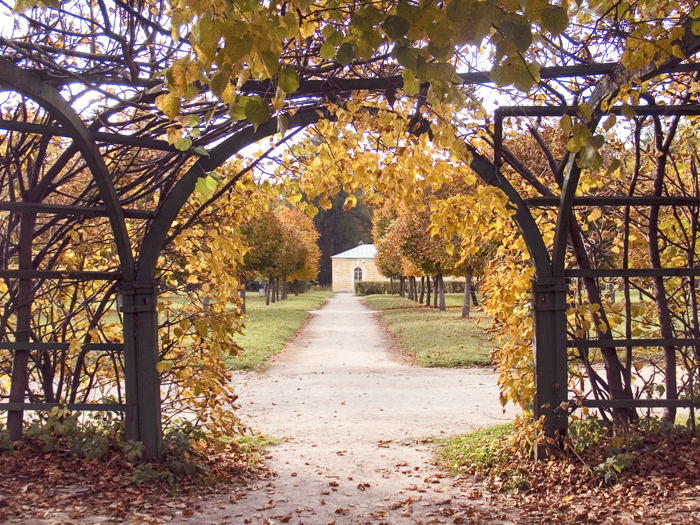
(649, 473)
(253, 447)
(434, 338)
(269, 327)
(474, 453)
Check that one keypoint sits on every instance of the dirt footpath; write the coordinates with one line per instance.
(354, 416)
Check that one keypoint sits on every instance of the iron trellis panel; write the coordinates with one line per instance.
(77, 407)
(90, 347)
(60, 209)
(638, 403)
(550, 373)
(98, 136)
(616, 200)
(633, 272)
(58, 274)
(600, 343)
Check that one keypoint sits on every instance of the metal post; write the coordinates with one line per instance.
(143, 417)
(551, 361)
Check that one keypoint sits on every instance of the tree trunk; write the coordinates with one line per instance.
(467, 293)
(665, 323)
(284, 288)
(402, 286)
(296, 287)
(436, 291)
(422, 290)
(427, 291)
(268, 291)
(441, 292)
(243, 297)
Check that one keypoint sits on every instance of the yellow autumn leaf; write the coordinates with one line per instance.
(350, 202)
(594, 215)
(169, 104)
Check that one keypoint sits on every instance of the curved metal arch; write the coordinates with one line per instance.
(173, 203)
(522, 217)
(29, 85)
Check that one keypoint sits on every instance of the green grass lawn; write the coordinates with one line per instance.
(268, 328)
(432, 337)
(475, 452)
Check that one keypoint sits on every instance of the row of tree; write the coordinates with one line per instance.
(282, 249)
(409, 247)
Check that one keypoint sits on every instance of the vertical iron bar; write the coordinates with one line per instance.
(551, 362)
(143, 415)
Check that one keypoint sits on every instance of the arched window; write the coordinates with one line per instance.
(358, 274)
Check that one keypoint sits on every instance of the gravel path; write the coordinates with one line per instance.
(354, 416)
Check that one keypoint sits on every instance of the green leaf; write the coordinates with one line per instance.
(590, 158)
(628, 111)
(183, 144)
(565, 124)
(237, 109)
(442, 54)
(288, 80)
(585, 112)
(202, 152)
(219, 82)
(502, 75)
(439, 33)
(346, 53)
(282, 123)
(555, 19)
(597, 141)
(695, 27)
(406, 56)
(396, 27)
(461, 11)
(528, 76)
(327, 51)
(257, 111)
(208, 117)
(519, 34)
(335, 38)
(614, 166)
(437, 71)
(359, 25)
(271, 62)
(237, 48)
(411, 85)
(371, 14)
(205, 186)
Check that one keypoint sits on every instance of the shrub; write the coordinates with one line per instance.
(387, 287)
(376, 287)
